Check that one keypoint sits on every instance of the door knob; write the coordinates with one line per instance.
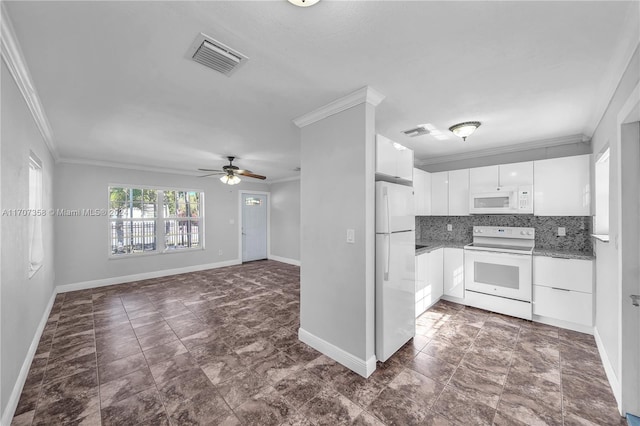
(635, 299)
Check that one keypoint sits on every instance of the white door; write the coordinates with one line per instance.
(254, 227)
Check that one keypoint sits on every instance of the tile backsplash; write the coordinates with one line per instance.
(578, 229)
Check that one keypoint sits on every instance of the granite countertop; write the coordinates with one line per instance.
(563, 254)
(431, 245)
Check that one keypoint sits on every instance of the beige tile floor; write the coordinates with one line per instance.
(220, 347)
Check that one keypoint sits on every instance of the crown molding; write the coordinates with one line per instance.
(288, 179)
(13, 58)
(365, 94)
(127, 166)
(520, 147)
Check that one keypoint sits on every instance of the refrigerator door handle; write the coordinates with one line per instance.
(386, 266)
(386, 202)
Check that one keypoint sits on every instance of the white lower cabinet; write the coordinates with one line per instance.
(563, 292)
(453, 272)
(428, 279)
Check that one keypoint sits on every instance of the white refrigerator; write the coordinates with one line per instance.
(395, 268)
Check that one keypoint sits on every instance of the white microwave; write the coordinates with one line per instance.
(502, 200)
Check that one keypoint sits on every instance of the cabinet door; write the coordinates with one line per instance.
(435, 265)
(440, 194)
(561, 186)
(459, 192)
(516, 174)
(567, 274)
(421, 282)
(404, 164)
(385, 156)
(483, 178)
(422, 192)
(453, 272)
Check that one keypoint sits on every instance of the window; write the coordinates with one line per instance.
(601, 220)
(148, 220)
(182, 224)
(36, 251)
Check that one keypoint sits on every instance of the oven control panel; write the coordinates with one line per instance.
(504, 232)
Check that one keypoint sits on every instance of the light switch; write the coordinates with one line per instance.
(449, 227)
(562, 231)
(351, 236)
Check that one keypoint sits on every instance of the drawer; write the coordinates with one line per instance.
(571, 306)
(569, 274)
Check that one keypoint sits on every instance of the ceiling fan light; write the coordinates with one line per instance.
(463, 130)
(303, 3)
(230, 180)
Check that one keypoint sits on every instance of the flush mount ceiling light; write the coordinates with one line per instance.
(230, 179)
(304, 3)
(463, 130)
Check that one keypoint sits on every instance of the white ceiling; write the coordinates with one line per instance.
(117, 85)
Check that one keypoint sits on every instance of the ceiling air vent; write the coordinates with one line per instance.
(215, 55)
(418, 131)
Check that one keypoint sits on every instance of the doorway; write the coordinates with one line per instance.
(629, 251)
(254, 225)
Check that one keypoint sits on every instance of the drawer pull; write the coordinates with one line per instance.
(561, 289)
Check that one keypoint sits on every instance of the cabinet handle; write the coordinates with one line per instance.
(561, 289)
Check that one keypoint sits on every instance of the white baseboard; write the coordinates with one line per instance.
(608, 369)
(63, 288)
(14, 398)
(284, 260)
(563, 324)
(355, 364)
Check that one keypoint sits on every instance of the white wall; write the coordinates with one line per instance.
(82, 244)
(23, 300)
(607, 292)
(285, 220)
(337, 193)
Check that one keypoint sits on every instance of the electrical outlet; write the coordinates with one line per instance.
(449, 227)
(220, 252)
(562, 231)
(351, 236)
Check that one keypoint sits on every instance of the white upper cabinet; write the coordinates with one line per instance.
(562, 187)
(422, 192)
(481, 178)
(459, 192)
(516, 174)
(440, 194)
(393, 160)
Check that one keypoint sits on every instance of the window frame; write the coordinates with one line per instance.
(159, 221)
(35, 168)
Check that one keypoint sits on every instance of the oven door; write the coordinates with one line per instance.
(499, 274)
(503, 201)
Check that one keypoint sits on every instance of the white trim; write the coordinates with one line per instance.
(13, 58)
(563, 324)
(519, 147)
(362, 95)
(240, 207)
(84, 285)
(14, 398)
(284, 260)
(355, 364)
(289, 179)
(608, 368)
(128, 166)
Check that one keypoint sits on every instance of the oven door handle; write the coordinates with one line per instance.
(498, 253)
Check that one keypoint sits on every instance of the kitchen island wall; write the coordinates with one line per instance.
(578, 229)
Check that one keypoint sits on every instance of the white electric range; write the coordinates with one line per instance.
(498, 268)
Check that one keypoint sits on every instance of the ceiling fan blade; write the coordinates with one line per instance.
(210, 170)
(241, 171)
(251, 175)
(213, 174)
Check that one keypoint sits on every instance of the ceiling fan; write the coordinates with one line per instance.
(230, 173)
